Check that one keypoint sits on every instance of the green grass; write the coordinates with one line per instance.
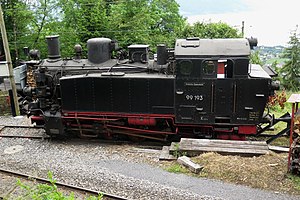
(44, 191)
(176, 168)
(295, 180)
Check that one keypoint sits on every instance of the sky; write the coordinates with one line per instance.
(270, 21)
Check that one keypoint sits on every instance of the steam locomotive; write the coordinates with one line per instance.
(202, 88)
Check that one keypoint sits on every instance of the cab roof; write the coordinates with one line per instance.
(212, 47)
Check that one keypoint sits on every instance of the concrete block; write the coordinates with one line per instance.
(186, 161)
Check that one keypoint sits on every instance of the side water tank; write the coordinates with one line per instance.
(99, 50)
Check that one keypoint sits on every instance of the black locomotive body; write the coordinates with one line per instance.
(203, 88)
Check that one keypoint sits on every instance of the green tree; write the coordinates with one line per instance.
(86, 18)
(17, 16)
(290, 72)
(144, 21)
(166, 22)
(45, 22)
(129, 21)
(255, 59)
(81, 20)
(132, 21)
(211, 30)
(27, 23)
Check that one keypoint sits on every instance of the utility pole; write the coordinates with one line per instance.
(243, 28)
(8, 60)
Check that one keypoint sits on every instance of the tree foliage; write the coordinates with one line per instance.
(255, 59)
(290, 72)
(211, 30)
(84, 18)
(75, 21)
(17, 17)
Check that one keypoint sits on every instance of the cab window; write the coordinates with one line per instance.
(208, 67)
(185, 67)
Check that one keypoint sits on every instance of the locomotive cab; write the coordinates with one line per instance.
(216, 85)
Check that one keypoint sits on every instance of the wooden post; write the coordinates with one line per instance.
(295, 100)
(8, 60)
(291, 135)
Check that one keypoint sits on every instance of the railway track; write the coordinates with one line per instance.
(60, 184)
(22, 127)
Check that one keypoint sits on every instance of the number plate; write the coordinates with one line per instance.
(191, 97)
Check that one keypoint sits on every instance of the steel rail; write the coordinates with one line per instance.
(2, 127)
(20, 126)
(14, 173)
(25, 136)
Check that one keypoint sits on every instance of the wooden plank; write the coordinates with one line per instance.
(186, 143)
(294, 98)
(150, 151)
(191, 151)
(239, 146)
(165, 155)
(193, 147)
(278, 149)
(262, 143)
(223, 149)
(186, 161)
(214, 141)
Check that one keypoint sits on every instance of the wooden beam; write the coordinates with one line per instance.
(193, 147)
(260, 143)
(8, 60)
(224, 145)
(279, 149)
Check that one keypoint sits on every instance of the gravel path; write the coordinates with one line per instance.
(80, 164)
(117, 169)
(19, 120)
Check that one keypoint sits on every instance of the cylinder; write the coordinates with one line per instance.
(53, 46)
(162, 54)
(99, 50)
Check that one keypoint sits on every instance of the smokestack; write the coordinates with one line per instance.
(53, 46)
(162, 54)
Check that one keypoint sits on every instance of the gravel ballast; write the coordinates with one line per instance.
(82, 165)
